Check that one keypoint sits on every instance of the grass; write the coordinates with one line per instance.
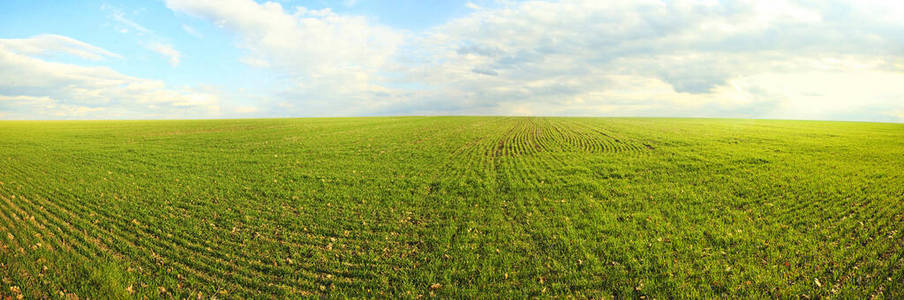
(452, 207)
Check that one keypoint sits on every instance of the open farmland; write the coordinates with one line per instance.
(452, 206)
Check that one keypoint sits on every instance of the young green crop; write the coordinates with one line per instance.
(459, 207)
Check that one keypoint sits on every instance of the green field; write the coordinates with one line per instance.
(452, 206)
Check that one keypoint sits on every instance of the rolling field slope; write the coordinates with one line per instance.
(452, 206)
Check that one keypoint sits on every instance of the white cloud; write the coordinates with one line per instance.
(124, 23)
(334, 63)
(34, 88)
(50, 43)
(305, 42)
(167, 51)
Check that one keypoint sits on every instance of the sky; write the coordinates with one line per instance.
(179, 59)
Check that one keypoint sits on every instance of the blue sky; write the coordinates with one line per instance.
(832, 60)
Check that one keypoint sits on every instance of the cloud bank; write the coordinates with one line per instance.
(781, 59)
(841, 60)
(784, 59)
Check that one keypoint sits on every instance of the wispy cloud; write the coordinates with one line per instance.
(31, 87)
(149, 39)
(168, 51)
(191, 31)
(55, 44)
(117, 15)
